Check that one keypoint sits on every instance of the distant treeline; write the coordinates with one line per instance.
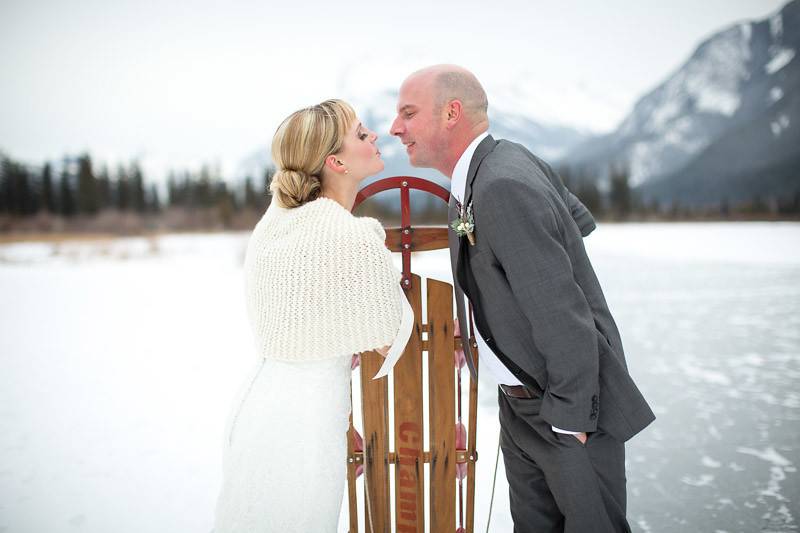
(621, 202)
(75, 196)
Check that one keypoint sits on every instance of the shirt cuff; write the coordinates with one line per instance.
(559, 430)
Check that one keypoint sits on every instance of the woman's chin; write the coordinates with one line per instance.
(375, 170)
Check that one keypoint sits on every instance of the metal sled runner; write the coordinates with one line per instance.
(449, 449)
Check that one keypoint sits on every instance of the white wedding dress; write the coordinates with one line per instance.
(285, 454)
(319, 282)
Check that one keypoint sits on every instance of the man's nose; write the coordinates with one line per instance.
(395, 129)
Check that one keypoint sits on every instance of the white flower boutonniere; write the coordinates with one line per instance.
(464, 225)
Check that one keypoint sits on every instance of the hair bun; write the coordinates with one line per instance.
(294, 187)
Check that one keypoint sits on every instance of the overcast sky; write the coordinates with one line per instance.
(179, 83)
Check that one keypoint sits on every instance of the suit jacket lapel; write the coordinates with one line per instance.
(461, 310)
(456, 242)
(481, 151)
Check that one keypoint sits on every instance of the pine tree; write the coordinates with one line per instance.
(172, 190)
(123, 193)
(9, 172)
(34, 191)
(48, 194)
(224, 202)
(66, 197)
(5, 186)
(203, 188)
(676, 210)
(104, 193)
(19, 188)
(188, 192)
(137, 189)
(250, 198)
(88, 201)
(655, 207)
(621, 201)
(153, 203)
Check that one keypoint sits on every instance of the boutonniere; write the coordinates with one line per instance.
(465, 223)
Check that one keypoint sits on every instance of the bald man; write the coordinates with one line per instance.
(545, 334)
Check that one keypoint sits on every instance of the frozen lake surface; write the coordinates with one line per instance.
(119, 360)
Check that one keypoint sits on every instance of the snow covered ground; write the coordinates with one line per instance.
(119, 360)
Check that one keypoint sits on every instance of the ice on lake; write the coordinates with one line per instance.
(119, 360)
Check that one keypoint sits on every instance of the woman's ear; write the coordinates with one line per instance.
(335, 164)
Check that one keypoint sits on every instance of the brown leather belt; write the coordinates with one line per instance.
(517, 391)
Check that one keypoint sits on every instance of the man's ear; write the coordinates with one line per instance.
(453, 112)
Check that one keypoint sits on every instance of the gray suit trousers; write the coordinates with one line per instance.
(557, 484)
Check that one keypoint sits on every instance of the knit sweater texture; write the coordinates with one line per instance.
(320, 283)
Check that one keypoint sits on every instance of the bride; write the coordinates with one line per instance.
(320, 286)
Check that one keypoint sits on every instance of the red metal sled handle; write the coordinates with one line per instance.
(405, 184)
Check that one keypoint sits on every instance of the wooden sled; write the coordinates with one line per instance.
(449, 450)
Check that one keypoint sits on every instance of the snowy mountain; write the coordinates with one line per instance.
(723, 126)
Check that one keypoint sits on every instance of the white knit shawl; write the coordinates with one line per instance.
(321, 283)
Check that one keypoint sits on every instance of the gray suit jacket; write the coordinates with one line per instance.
(535, 296)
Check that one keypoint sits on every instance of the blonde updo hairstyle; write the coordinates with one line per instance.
(300, 146)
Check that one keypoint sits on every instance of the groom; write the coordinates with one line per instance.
(546, 336)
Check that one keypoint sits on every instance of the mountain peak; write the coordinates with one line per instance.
(732, 77)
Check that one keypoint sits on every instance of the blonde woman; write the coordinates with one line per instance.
(320, 286)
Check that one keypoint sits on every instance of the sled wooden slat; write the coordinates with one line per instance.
(441, 394)
(408, 425)
(374, 394)
(422, 239)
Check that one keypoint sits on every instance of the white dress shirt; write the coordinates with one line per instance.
(498, 372)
